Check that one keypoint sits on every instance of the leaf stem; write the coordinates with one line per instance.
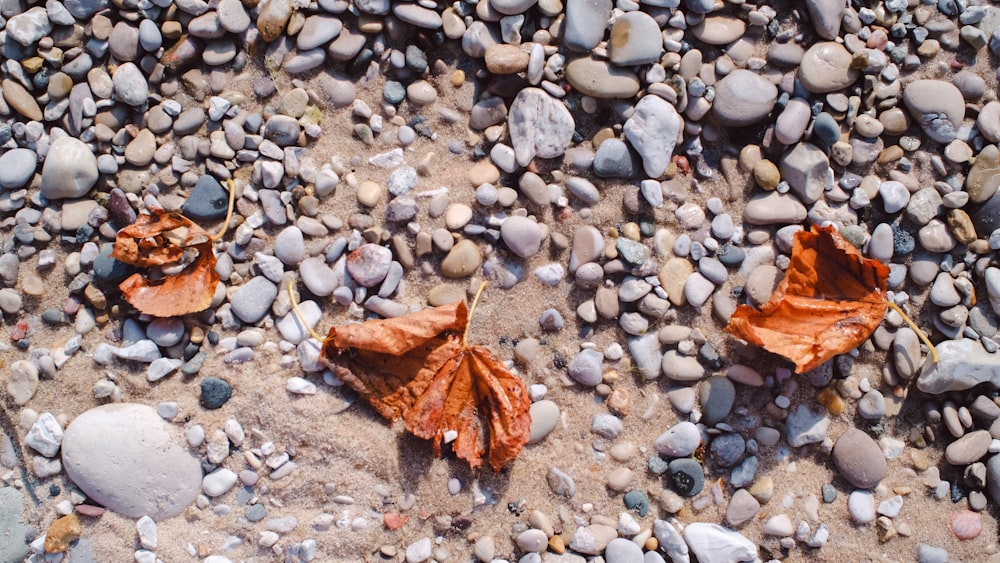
(475, 301)
(298, 312)
(934, 353)
(229, 211)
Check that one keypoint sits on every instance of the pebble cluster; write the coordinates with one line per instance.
(642, 166)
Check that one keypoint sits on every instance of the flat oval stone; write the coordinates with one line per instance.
(743, 98)
(369, 264)
(462, 260)
(984, 177)
(127, 458)
(937, 105)
(599, 79)
(826, 67)
(635, 40)
(719, 30)
(859, 459)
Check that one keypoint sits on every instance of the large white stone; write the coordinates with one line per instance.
(127, 458)
(69, 171)
(652, 130)
(539, 126)
(711, 542)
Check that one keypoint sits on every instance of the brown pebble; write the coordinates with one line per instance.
(557, 545)
(766, 174)
(619, 402)
(95, 296)
(831, 400)
(890, 154)
(458, 78)
(61, 533)
(961, 226)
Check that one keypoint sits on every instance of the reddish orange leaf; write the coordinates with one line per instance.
(831, 300)
(171, 241)
(420, 368)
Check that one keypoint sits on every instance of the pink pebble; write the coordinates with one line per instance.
(966, 524)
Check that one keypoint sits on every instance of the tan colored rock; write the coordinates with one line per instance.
(61, 533)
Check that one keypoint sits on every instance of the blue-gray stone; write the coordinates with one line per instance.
(826, 129)
(256, 513)
(717, 395)
(214, 392)
(208, 200)
(687, 477)
(393, 92)
(613, 159)
(108, 269)
(728, 449)
(637, 501)
(14, 547)
(252, 301)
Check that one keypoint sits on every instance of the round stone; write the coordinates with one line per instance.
(686, 476)
(369, 264)
(717, 395)
(544, 418)
(127, 458)
(859, 459)
(462, 260)
(937, 105)
(681, 440)
(70, 169)
(215, 392)
(743, 98)
(599, 79)
(826, 67)
(521, 235)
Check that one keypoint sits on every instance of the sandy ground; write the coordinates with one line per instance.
(355, 451)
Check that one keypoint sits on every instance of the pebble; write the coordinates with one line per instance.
(635, 40)
(743, 98)
(253, 300)
(652, 130)
(522, 236)
(599, 79)
(215, 392)
(826, 67)
(621, 550)
(539, 126)
(861, 506)
(22, 382)
(805, 169)
(369, 264)
(592, 539)
(969, 448)
(859, 459)
(803, 426)
(686, 476)
(742, 508)
(717, 396)
(128, 459)
(681, 440)
(585, 368)
(208, 199)
(69, 171)
(711, 542)
(219, 482)
(462, 260)
(17, 166)
(544, 419)
(966, 524)
(937, 106)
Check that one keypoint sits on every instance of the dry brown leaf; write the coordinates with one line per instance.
(419, 367)
(831, 300)
(167, 240)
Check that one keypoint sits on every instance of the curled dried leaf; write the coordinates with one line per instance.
(178, 264)
(831, 299)
(420, 368)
